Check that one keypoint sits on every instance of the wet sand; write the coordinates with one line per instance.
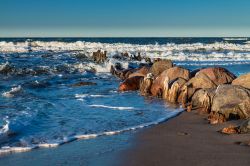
(187, 140)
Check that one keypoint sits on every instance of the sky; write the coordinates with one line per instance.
(124, 18)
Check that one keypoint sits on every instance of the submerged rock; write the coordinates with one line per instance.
(83, 84)
(6, 68)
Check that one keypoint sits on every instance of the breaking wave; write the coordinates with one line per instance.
(9, 149)
(197, 51)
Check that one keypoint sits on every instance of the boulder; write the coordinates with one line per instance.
(243, 80)
(171, 94)
(143, 71)
(244, 127)
(194, 84)
(121, 73)
(160, 84)
(159, 66)
(202, 100)
(131, 84)
(146, 84)
(218, 75)
(231, 101)
(205, 79)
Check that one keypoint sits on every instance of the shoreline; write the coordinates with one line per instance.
(190, 139)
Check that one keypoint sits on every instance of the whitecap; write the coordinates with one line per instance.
(12, 92)
(112, 107)
(88, 95)
(172, 51)
(5, 127)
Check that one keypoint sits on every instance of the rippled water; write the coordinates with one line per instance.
(41, 106)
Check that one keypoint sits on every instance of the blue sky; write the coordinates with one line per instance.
(124, 18)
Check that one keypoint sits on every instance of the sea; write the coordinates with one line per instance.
(41, 108)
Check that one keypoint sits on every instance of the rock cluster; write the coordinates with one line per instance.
(214, 91)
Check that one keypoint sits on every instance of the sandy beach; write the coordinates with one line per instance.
(187, 140)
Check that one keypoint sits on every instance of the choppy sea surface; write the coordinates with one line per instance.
(40, 107)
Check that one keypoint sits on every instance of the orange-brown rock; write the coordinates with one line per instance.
(145, 85)
(216, 118)
(160, 66)
(243, 80)
(232, 101)
(131, 84)
(161, 83)
(172, 93)
(218, 75)
(202, 100)
(205, 79)
(143, 71)
(230, 130)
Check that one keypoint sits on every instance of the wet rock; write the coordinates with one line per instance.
(232, 102)
(205, 79)
(148, 60)
(121, 56)
(143, 71)
(121, 73)
(81, 56)
(145, 85)
(131, 84)
(230, 130)
(202, 100)
(136, 57)
(215, 118)
(243, 80)
(244, 127)
(6, 68)
(99, 56)
(174, 90)
(125, 54)
(161, 83)
(79, 84)
(160, 66)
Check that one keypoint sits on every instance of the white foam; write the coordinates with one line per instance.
(235, 39)
(12, 92)
(112, 107)
(48, 145)
(171, 51)
(88, 95)
(8, 149)
(5, 127)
